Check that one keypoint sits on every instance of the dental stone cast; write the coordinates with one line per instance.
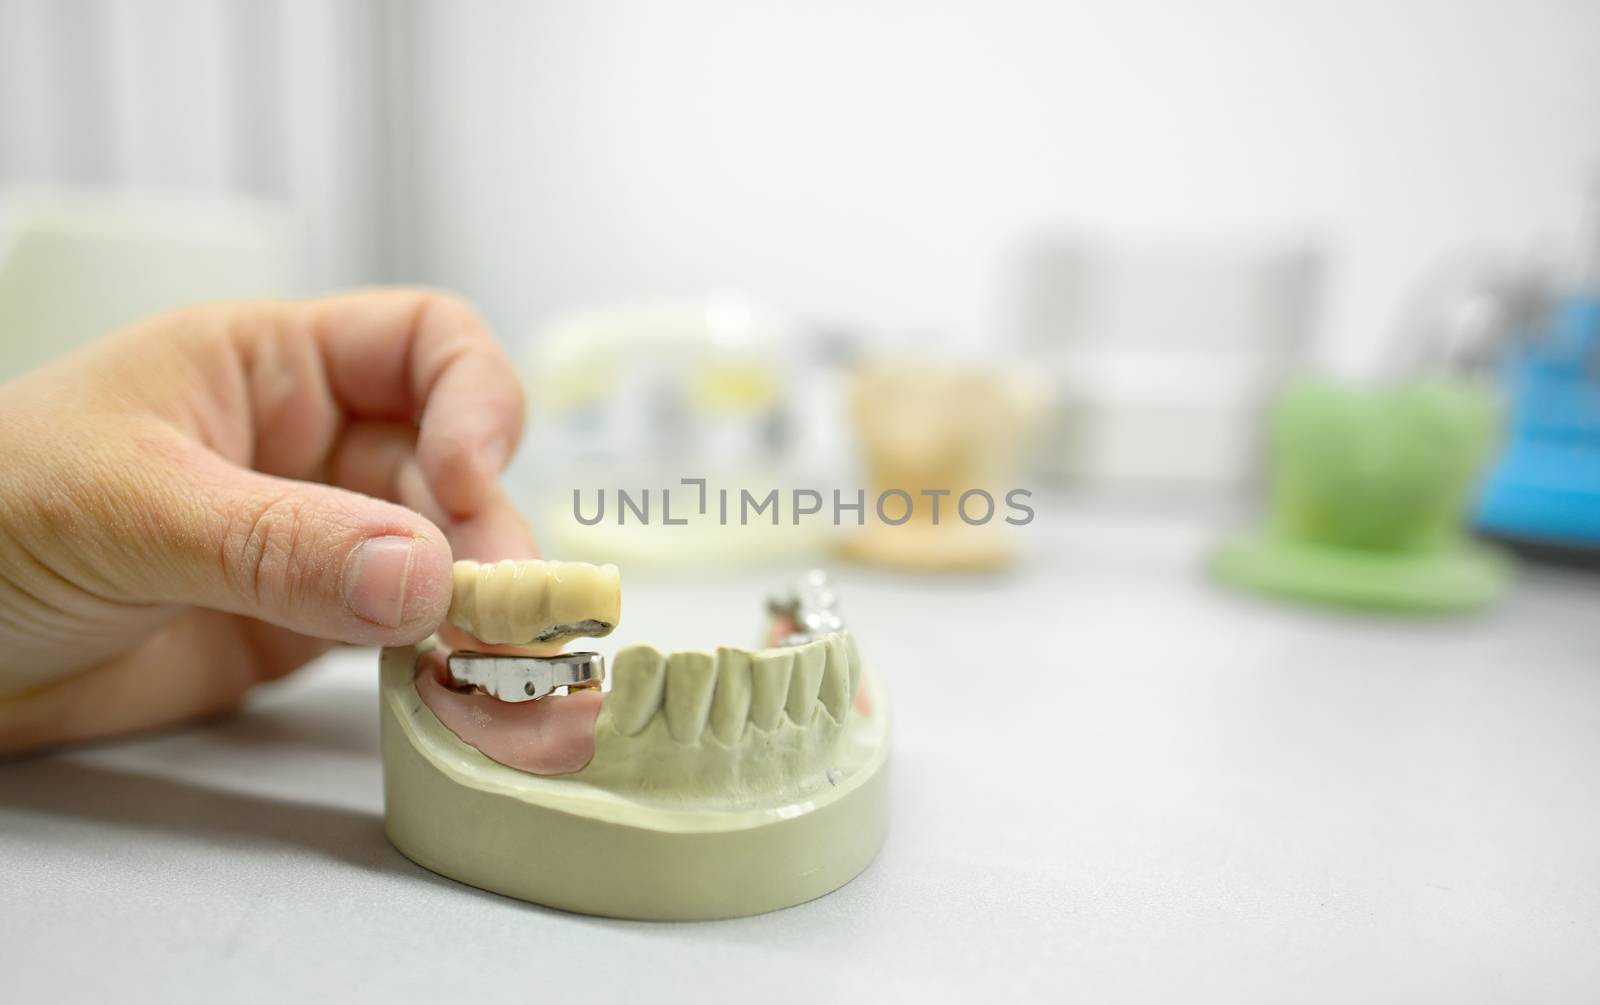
(521, 602)
(705, 784)
(728, 728)
(702, 812)
(732, 689)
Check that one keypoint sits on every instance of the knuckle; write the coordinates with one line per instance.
(264, 550)
(447, 304)
(451, 325)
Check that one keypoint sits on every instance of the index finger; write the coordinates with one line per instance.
(429, 357)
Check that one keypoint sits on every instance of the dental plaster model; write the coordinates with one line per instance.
(702, 785)
(931, 427)
(1369, 490)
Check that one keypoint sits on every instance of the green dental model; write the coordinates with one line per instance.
(1368, 492)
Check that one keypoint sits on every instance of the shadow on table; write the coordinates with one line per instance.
(256, 824)
(185, 810)
(340, 723)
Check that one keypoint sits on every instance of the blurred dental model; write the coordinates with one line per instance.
(947, 442)
(1369, 493)
(1543, 496)
(640, 397)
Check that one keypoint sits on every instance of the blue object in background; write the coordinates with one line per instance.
(1545, 489)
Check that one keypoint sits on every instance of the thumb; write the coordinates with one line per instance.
(317, 560)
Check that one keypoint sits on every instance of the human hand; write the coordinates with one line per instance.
(197, 504)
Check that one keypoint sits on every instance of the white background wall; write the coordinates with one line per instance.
(867, 162)
(281, 100)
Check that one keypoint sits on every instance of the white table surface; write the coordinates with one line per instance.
(1109, 778)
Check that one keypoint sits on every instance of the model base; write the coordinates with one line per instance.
(569, 844)
(1460, 578)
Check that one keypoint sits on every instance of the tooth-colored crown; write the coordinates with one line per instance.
(515, 603)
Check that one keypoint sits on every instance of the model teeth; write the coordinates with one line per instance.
(836, 689)
(770, 671)
(638, 681)
(696, 693)
(516, 603)
(854, 655)
(691, 679)
(729, 726)
(730, 707)
(805, 681)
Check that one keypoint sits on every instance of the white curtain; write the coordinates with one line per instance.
(279, 100)
(875, 163)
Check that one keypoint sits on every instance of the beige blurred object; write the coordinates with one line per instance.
(77, 264)
(931, 427)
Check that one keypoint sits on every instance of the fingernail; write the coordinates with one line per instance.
(375, 580)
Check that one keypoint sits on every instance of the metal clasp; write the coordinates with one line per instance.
(525, 678)
(810, 603)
